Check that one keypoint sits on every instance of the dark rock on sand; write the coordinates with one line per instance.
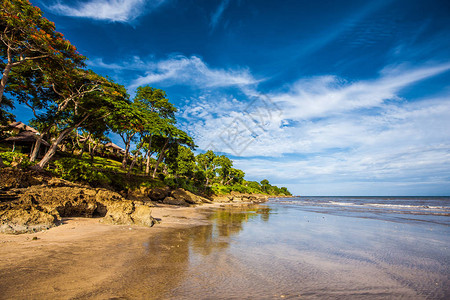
(18, 178)
(42, 206)
(237, 197)
(158, 194)
(189, 197)
(173, 201)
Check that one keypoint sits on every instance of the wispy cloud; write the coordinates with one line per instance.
(405, 144)
(315, 114)
(331, 130)
(192, 71)
(108, 10)
(216, 16)
(328, 95)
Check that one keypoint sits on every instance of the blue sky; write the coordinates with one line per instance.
(324, 97)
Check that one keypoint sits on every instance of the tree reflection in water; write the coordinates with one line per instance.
(167, 258)
(226, 222)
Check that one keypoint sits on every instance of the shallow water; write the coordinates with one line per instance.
(289, 249)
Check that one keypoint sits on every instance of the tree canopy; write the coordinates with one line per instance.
(75, 108)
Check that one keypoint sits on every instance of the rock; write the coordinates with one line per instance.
(58, 182)
(237, 197)
(25, 219)
(188, 197)
(221, 199)
(41, 207)
(158, 194)
(172, 201)
(142, 216)
(18, 178)
(137, 195)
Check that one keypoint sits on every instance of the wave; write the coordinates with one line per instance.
(424, 206)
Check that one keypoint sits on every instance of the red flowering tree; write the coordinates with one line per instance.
(25, 35)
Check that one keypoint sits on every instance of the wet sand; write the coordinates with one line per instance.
(83, 258)
(255, 252)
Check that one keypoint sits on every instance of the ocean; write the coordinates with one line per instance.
(320, 248)
(396, 209)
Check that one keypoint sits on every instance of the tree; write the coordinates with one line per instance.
(181, 161)
(127, 122)
(285, 191)
(235, 176)
(171, 137)
(25, 35)
(225, 165)
(207, 164)
(158, 113)
(84, 98)
(29, 86)
(265, 186)
(5, 116)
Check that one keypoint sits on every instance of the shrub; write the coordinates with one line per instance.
(73, 169)
(13, 159)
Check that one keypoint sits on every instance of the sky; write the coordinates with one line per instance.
(324, 97)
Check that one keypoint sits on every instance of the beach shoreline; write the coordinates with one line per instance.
(83, 255)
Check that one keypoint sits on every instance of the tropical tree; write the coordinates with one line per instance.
(5, 116)
(29, 86)
(25, 35)
(159, 115)
(224, 164)
(171, 137)
(235, 176)
(84, 99)
(207, 163)
(127, 122)
(181, 161)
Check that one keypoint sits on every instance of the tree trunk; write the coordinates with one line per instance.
(134, 159)
(84, 145)
(37, 146)
(5, 74)
(160, 157)
(92, 152)
(55, 144)
(147, 165)
(53, 148)
(127, 150)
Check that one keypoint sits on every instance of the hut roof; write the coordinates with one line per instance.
(22, 126)
(25, 136)
(114, 146)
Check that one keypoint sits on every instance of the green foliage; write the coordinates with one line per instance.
(219, 189)
(5, 116)
(15, 159)
(181, 161)
(29, 37)
(73, 169)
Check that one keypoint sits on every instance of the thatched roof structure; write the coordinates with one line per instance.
(114, 147)
(22, 127)
(25, 137)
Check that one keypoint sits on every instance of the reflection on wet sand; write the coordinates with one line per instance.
(167, 259)
(259, 252)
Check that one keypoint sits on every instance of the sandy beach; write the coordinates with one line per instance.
(275, 250)
(85, 258)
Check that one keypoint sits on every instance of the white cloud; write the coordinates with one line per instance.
(215, 18)
(322, 96)
(314, 115)
(192, 71)
(132, 64)
(330, 130)
(109, 10)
